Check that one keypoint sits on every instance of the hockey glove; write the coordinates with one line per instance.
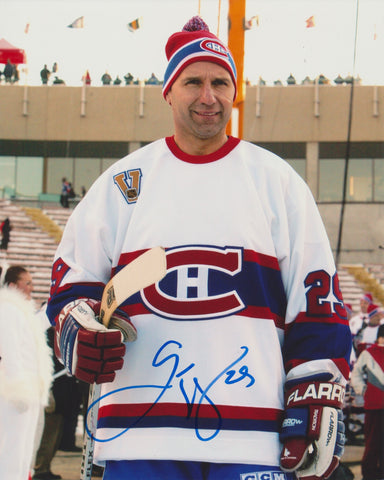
(89, 350)
(313, 431)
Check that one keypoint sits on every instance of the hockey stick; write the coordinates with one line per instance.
(145, 270)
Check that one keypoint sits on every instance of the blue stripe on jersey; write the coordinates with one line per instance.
(315, 341)
(257, 286)
(165, 421)
(74, 292)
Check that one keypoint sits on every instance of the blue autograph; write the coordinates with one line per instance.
(231, 374)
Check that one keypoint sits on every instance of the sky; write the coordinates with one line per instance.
(280, 45)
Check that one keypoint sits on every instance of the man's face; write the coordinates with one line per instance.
(25, 284)
(364, 304)
(375, 319)
(201, 99)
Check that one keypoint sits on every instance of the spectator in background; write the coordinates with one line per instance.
(71, 191)
(53, 425)
(368, 379)
(357, 321)
(291, 80)
(339, 80)
(106, 78)
(152, 80)
(307, 81)
(8, 72)
(128, 79)
(25, 374)
(323, 80)
(5, 230)
(367, 334)
(58, 81)
(117, 80)
(44, 75)
(16, 75)
(87, 78)
(65, 188)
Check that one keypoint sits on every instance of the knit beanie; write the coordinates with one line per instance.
(195, 43)
(373, 310)
(368, 297)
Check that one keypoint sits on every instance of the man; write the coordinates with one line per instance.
(357, 321)
(368, 379)
(65, 189)
(367, 334)
(44, 75)
(250, 305)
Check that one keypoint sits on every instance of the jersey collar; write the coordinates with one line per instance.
(230, 144)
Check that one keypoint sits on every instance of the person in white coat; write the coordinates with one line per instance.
(25, 374)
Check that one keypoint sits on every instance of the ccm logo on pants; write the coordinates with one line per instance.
(263, 476)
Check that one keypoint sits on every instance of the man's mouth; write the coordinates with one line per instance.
(206, 114)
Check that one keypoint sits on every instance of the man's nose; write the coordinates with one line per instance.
(207, 95)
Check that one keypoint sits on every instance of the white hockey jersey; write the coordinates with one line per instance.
(250, 294)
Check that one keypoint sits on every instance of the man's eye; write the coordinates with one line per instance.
(220, 83)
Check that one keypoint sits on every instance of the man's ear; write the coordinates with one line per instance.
(168, 98)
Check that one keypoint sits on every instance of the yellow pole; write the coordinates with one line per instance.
(236, 23)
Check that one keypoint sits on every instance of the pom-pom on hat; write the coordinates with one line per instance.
(195, 43)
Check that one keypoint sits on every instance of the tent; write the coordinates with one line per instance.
(9, 51)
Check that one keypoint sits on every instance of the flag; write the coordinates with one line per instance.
(135, 24)
(26, 29)
(310, 22)
(252, 22)
(78, 23)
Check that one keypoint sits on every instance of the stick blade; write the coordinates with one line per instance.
(145, 270)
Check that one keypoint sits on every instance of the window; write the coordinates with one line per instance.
(57, 168)
(29, 176)
(331, 175)
(21, 175)
(7, 173)
(359, 186)
(378, 186)
(87, 170)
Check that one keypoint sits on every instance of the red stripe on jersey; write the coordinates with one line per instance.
(261, 259)
(183, 410)
(302, 317)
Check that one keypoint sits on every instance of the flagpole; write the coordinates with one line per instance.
(83, 98)
(25, 97)
(218, 18)
(348, 146)
(26, 70)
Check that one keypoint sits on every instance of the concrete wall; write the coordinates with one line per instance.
(297, 113)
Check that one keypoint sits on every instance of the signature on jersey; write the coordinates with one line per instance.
(167, 356)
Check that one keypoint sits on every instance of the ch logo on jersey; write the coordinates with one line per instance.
(185, 292)
(129, 183)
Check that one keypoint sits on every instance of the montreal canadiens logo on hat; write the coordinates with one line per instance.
(214, 47)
